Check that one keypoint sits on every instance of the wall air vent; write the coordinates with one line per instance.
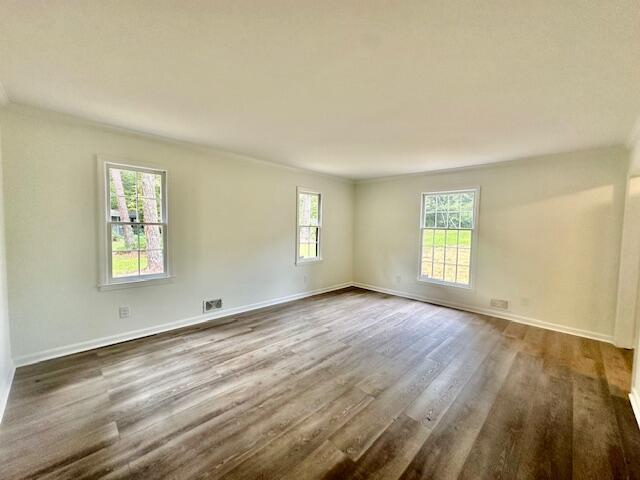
(209, 305)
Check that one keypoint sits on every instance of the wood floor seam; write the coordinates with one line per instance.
(350, 384)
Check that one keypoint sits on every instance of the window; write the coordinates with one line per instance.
(448, 237)
(135, 223)
(309, 226)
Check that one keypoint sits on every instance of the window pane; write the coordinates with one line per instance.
(148, 205)
(466, 201)
(439, 238)
(308, 242)
(430, 220)
(150, 237)
(466, 220)
(463, 275)
(305, 234)
(313, 250)
(151, 262)
(464, 256)
(427, 245)
(304, 213)
(438, 271)
(308, 209)
(452, 238)
(124, 264)
(123, 194)
(442, 202)
(451, 255)
(123, 209)
(308, 250)
(149, 210)
(427, 238)
(438, 254)
(429, 203)
(450, 273)
(454, 202)
(314, 209)
(123, 238)
(426, 268)
(464, 238)
(441, 219)
(454, 220)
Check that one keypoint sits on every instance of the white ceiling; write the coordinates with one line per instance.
(353, 88)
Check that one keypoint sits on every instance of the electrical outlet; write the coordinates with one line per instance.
(499, 303)
(209, 305)
(124, 312)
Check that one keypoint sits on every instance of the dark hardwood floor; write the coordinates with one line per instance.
(351, 384)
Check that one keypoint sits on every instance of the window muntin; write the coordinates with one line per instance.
(448, 236)
(309, 226)
(136, 221)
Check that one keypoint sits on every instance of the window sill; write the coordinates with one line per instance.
(136, 283)
(311, 260)
(444, 284)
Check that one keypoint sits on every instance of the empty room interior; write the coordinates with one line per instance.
(277, 239)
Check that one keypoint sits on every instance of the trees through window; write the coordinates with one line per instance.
(448, 226)
(136, 222)
(309, 225)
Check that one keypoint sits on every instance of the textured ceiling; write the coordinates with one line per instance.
(353, 88)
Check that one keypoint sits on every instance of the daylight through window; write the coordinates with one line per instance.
(448, 240)
(136, 222)
(309, 226)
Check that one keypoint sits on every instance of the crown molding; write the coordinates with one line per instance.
(55, 115)
(4, 96)
(492, 165)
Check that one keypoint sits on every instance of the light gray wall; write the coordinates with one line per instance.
(549, 234)
(232, 232)
(549, 237)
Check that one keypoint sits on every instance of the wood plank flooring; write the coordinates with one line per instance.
(347, 385)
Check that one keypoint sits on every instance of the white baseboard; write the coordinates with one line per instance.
(32, 358)
(6, 389)
(132, 335)
(635, 404)
(493, 313)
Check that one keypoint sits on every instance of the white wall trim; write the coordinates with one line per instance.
(31, 110)
(635, 404)
(494, 313)
(36, 357)
(506, 162)
(4, 395)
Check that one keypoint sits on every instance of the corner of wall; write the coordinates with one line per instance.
(354, 208)
(5, 388)
(7, 367)
(634, 398)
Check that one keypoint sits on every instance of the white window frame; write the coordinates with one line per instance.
(474, 238)
(318, 257)
(106, 280)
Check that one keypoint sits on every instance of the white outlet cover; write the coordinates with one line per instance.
(124, 312)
